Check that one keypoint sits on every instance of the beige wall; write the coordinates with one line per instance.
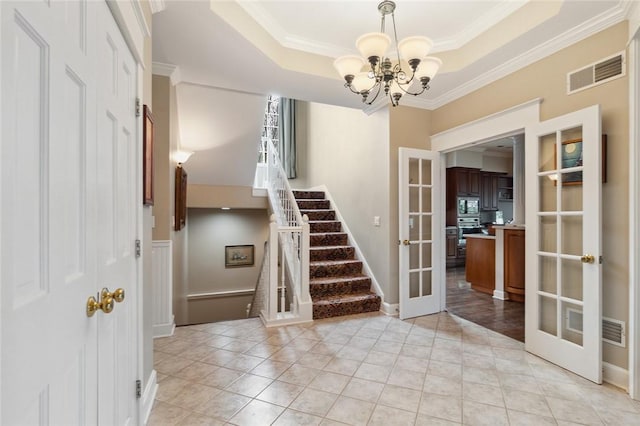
(409, 128)
(162, 175)
(210, 230)
(547, 79)
(348, 152)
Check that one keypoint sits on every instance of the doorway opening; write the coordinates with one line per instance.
(479, 203)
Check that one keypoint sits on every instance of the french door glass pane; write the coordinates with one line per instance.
(414, 200)
(548, 234)
(548, 274)
(548, 315)
(414, 171)
(426, 200)
(571, 275)
(414, 284)
(414, 256)
(426, 255)
(414, 227)
(426, 172)
(426, 283)
(571, 235)
(427, 233)
(572, 323)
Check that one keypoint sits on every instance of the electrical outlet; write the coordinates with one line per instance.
(376, 221)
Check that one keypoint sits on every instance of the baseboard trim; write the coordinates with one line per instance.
(389, 308)
(615, 375)
(149, 396)
(502, 295)
(164, 330)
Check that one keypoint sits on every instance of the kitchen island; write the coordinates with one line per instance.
(480, 268)
(495, 264)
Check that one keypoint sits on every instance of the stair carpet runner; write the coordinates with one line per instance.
(336, 282)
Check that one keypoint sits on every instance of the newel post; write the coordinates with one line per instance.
(273, 268)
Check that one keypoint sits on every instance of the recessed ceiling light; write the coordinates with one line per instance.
(225, 208)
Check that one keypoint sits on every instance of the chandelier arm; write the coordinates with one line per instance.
(376, 96)
(412, 93)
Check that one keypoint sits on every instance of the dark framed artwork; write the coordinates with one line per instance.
(572, 157)
(147, 156)
(238, 256)
(181, 198)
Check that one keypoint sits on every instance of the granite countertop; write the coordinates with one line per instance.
(486, 237)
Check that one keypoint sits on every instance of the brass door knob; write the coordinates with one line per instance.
(107, 304)
(587, 258)
(406, 242)
(118, 295)
(92, 306)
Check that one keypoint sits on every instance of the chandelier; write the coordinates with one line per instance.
(385, 75)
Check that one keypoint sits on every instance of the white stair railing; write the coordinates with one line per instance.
(288, 299)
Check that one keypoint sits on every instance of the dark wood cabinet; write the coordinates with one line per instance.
(452, 246)
(489, 192)
(514, 264)
(461, 182)
(480, 266)
(505, 188)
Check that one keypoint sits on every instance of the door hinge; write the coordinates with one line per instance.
(138, 389)
(138, 248)
(138, 107)
(600, 260)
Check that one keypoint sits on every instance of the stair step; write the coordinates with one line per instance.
(325, 226)
(345, 304)
(326, 287)
(334, 268)
(319, 214)
(332, 253)
(313, 204)
(329, 239)
(309, 194)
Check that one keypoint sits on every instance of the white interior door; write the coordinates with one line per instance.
(51, 225)
(421, 246)
(563, 246)
(117, 172)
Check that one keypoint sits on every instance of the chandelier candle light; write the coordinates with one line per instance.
(383, 73)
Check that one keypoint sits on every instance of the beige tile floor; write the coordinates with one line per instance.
(370, 369)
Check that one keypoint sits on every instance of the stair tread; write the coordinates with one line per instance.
(311, 199)
(328, 233)
(333, 262)
(315, 210)
(323, 221)
(344, 298)
(341, 278)
(330, 247)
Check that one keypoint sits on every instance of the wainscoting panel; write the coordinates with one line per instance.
(162, 276)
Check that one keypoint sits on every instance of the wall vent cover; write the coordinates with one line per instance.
(597, 73)
(613, 330)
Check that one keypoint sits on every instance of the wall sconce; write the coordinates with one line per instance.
(182, 157)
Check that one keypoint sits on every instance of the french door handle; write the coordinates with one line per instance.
(406, 242)
(587, 258)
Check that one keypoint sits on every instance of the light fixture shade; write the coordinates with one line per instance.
(428, 67)
(416, 47)
(373, 44)
(182, 156)
(362, 82)
(348, 65)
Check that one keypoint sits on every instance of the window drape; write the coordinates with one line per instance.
(287, 136)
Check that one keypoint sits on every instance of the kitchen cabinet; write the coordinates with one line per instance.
(465, 181)
(461, 182)
(480, 266)
(505, 188)
(451, 245)
(489, 192)
(514, 264)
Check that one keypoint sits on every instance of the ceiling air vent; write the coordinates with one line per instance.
(613, 330)
(597, 73)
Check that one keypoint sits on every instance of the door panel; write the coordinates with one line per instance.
(564, 228)
(67, 220)
(421, 244)
(47, 264)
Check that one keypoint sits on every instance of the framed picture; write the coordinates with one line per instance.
(572, 157)
(238, 256)
(181, 198)
(147, 156)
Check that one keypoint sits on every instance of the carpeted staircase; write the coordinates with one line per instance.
(337, 284)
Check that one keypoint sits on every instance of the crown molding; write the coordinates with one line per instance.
(157, 5)
(168, 70)
(564, 40)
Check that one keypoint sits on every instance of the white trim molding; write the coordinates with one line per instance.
(392, 309)
(615, 375)
(633, 60)
(148, 396)
(134, 28)
(157, 5)
(168, 70)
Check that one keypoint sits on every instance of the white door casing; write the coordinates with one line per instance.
(55, 360)
(421, 240)
(563, 198)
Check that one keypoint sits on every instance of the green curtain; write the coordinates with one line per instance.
(287, 136)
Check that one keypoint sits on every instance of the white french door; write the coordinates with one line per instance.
(67, 214)
(563, 247)
(421, 246)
